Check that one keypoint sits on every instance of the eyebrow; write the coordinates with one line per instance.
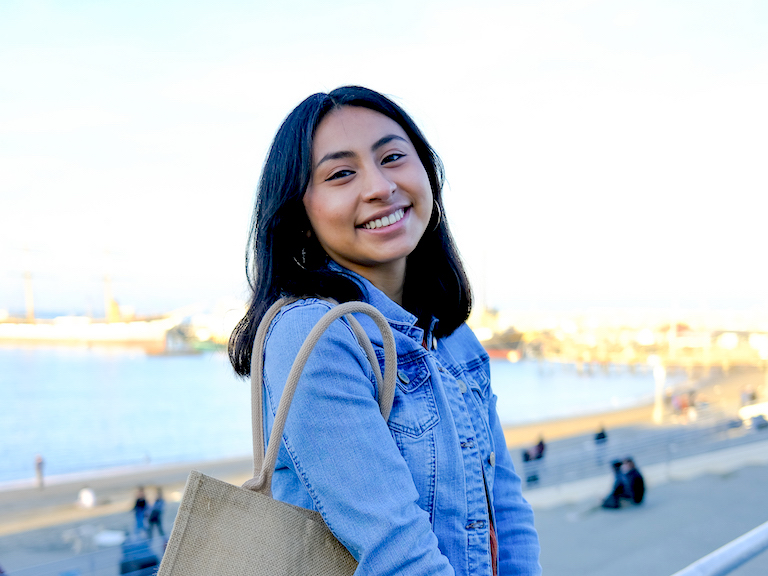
(383, 141)
(386, 140)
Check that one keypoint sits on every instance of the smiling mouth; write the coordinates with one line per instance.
(396, 216)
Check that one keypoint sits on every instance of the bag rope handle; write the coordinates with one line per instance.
(264, 464)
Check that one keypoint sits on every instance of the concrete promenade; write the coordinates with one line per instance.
(694, 505)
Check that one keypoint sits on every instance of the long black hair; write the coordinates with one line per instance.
(282, 259)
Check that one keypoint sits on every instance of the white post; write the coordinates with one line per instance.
(29, 295)
(660, 376)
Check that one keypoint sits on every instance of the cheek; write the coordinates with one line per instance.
(313, 208)
(324, 216)
(422, 183)
(427, 200)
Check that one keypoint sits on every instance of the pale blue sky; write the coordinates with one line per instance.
(596, 151)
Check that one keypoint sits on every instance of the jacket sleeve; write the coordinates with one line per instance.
(518, 540)
(338, 448)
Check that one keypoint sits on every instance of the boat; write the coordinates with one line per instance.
(148, 334)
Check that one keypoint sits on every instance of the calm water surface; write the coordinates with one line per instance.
(89, 409)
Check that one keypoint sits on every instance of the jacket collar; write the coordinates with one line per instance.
(397, 316)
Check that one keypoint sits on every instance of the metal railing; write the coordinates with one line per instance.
(134, 558)
(726, 559)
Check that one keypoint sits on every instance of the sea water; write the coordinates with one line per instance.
(87, 409)
(535, 391)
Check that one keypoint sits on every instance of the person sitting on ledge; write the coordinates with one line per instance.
(628, 484)
(635, 481)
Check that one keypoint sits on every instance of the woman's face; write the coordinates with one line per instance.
(369, 200)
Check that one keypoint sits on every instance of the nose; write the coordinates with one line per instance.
(378, 185)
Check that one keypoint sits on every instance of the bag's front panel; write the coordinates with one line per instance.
(235, 532)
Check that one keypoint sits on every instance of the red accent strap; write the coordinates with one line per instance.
(494, 551)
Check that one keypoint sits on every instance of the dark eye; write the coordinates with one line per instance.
(392, 157)
(339, 174)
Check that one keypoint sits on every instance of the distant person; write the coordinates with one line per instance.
(535, 453)
(676, 407)
(620, 485)
(601, 437)
(748, 396)
(601, 444)
(628, 484)
(140, 510)
(39, 463)
(634, 480)
(156, 514)
(531, 456)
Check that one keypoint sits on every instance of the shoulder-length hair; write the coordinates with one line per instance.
(282, 259)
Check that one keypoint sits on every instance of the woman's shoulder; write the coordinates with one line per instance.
(465, 346)
(288, 332)
(309, 306)
(295, 320)
(464, 336)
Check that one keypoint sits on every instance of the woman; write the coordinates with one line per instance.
(156, 514)
(349, 207)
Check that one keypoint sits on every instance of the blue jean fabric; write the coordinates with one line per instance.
(407, 496)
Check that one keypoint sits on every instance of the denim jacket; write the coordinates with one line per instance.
(411, 495)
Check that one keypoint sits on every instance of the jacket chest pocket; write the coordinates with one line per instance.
(414, 410)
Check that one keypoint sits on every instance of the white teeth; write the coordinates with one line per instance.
(386, 220)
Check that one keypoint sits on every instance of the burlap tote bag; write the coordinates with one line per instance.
(224, 530)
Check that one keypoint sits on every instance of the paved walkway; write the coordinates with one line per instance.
(694, 505)
(679, 522)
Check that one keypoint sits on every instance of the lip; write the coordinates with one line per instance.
(385, 212)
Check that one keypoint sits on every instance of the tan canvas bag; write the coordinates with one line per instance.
(223, 530)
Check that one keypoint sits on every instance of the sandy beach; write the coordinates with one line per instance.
(27, 511)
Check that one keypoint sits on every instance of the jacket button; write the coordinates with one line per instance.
(403, 377)
(492, 459)
(462, 386)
